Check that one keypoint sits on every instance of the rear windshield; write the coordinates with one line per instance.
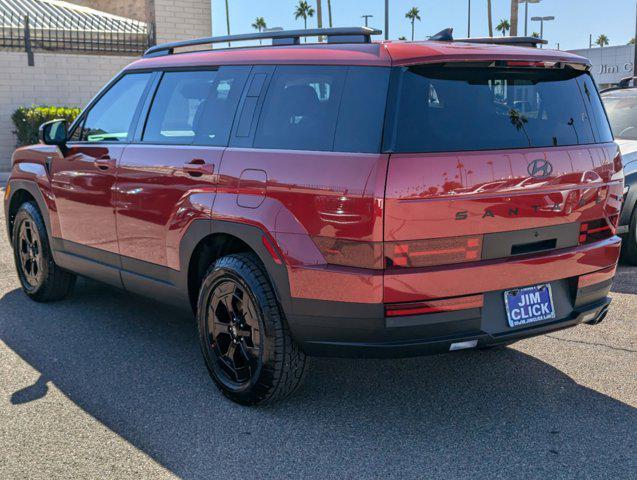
(442, 109)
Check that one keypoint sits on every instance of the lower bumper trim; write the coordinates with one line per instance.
(589, 314)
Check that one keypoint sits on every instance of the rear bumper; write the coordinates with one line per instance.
(440, 342)
(345, 328)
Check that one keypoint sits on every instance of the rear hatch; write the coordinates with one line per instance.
(493, 160)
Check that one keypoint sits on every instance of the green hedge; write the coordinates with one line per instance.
(27, 120)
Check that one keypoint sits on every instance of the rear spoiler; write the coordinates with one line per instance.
(446, 35)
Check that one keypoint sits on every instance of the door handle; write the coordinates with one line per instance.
(199, 167)
(104, 162)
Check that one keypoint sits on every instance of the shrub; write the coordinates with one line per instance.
(27, 120)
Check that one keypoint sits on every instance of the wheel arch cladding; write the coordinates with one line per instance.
(21, 192)
(208, 240)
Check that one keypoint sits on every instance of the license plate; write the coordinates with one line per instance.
(529, 305)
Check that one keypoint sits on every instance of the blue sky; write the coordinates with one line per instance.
(575, 19)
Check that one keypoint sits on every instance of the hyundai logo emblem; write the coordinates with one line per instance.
(540, 168)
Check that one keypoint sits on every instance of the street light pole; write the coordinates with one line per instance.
(366, 17)
(469, 20)
(542, 20)
(635, 47)
(386, 19)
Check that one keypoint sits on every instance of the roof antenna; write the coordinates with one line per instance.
(445, 35)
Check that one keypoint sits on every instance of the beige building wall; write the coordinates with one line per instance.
(182, 19)
(58, 79)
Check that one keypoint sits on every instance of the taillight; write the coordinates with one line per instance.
(437, 251)
(515, 63)
(434, 306)
(597, 230)
(350, 253)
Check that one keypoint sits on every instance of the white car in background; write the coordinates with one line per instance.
(621, 106)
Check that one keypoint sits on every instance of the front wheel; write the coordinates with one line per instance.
(41, 279)
(244, 338)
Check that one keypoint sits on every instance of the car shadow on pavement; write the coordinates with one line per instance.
(135, 365)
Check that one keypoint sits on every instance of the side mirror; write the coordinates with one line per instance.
(54, 132)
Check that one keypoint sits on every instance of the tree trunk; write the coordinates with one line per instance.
(412, 30)
(514, 18)
(329, 11)
(490, 15)
(319, 17)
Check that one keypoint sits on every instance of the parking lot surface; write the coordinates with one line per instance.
(110, 385)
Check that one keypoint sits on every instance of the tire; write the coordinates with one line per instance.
(629, 247)
(41, 279)
(243, 335)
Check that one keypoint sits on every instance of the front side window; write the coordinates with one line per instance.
(111, 118)
(195, 107)
(439, 109)
(300, 111)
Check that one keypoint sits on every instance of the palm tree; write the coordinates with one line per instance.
(303, 10)
(535, 35)
(631, 41)
(513, 26)
(504, 26)
(490, 17)
(260, 25)
(413, 14)
(228, 20)
(602, 41)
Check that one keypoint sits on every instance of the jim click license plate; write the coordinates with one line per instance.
(529, 305)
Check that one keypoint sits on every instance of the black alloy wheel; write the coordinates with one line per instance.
(233, 333)
(244, 337)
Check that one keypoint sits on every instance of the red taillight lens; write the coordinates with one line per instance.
(350, 253)
(516, 63)
(597, 230)
(434, 306)
(437, 251)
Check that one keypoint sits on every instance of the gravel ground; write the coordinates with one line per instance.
(109, 385)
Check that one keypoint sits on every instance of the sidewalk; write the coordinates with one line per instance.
(4, 176)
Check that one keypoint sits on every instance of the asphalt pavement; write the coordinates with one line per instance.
(109, 385)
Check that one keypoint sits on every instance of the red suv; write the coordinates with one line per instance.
(345, 198)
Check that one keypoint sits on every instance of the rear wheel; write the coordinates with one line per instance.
(243, 335)
(41, 279)
(629, 249)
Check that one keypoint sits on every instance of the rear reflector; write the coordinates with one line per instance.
(596, 277)
(437, 251)
(434, 306)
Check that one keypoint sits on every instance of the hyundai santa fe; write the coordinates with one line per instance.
(344, 198)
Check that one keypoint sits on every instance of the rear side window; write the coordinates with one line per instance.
(326, 108)
(195, 107)
(440, 109)
(301, 108)
(110, 118)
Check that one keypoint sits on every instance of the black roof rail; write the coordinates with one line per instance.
(446, 35)
(278, 37)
